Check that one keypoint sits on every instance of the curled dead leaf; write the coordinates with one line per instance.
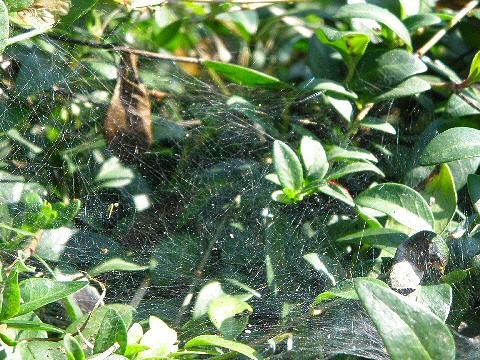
(128, 123)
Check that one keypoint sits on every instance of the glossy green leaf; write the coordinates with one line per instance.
(10, 296)
(229, 315)
(337, 192)
(373, 12)
(78, 8)
(438, 189)
(329, 88)
(345, 290)
(354, 167)
(474, 74)
(409, 87)
(244, 76)
(116, 264)
(314, 158)
(473, 184)
(74, 349)
(384, 239)
(378, 124)
(32, 325)
(438, 298)
(111, 330)
(453, 144)
(381, 71)
(4, 26)
(408, 329)
(287, 166)
(338, 153)
(415, 22)
(401, 202)
(351, 45)
(214, 340)
(37, 292)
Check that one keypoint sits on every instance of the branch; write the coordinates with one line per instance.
(129, 50)
(456, 19)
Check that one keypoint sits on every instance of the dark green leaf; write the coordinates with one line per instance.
(415, 22)
(78, 9)
(402, 203)
(385, 239)
(345, 290)
(473, 184)
(287, 166)
(32, 325)
(453, 144)
(116, 264)
(409, 87)
(225, 312)
(438, 298)
(214, 340)
(111, 330)
(355, 167)
(37, 292)
(373, 12)
(408, 330)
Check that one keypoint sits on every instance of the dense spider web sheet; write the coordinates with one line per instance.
(203, 182)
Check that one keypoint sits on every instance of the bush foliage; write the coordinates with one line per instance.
(239, 179)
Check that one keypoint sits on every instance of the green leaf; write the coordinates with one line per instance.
(473, 184)
(37, 292)
(408, 329)
(78, 8)
(378, 124)
(338, 153)
(74, 349)
(409, 87)
(287, 166)
(116, 264)
(214, 340)
(342, 106)
(229, 314)
(10, 296)
(474, 74)
(453, 144)
(438, 189)
(324, 265)
(355, 167)
(324, 61)
(381, 71)
(438, 298)
(245, 76)
(384, 239)
(32, 325)
(4, 26)
(41, 350)
(329, 88)
(17, 5)
(112, 330)
(373, 12)
(351, 45)
(401, 202)
(457, 107)
(168, 33)
(415, 22)
(345, 290)
(337, 192)
(113, 174)
(314, 158)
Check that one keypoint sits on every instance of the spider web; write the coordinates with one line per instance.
(192, 211)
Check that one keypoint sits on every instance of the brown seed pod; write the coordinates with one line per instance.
(128, 123)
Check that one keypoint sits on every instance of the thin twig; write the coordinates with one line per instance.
(140, 293)
(473, 103)
(441, 33)
(104, 355)
(129, 50)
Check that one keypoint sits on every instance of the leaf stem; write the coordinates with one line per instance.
(440, 34)
(27, 35)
